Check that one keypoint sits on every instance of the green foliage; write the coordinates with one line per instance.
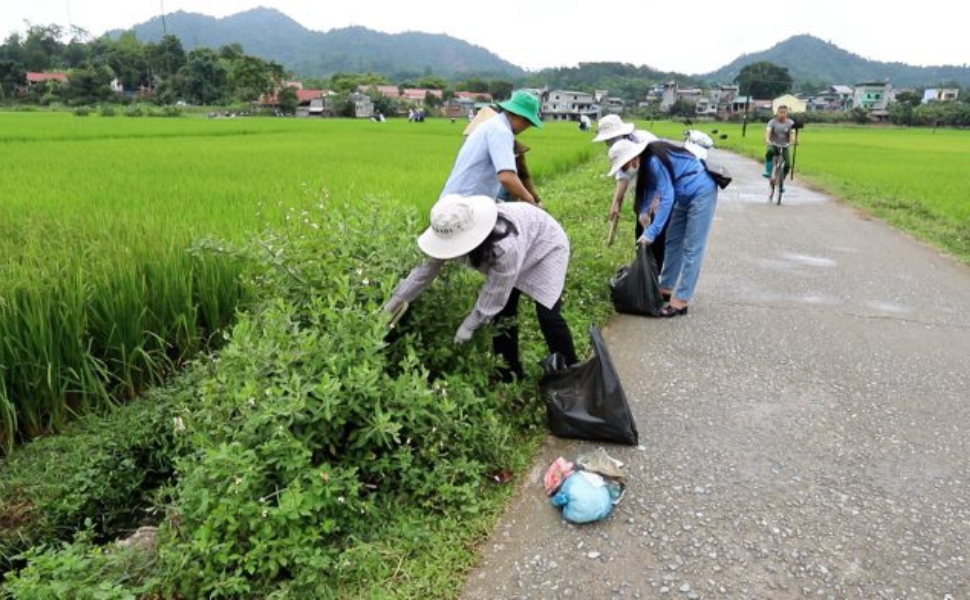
(682, 108)
(318, 458)
(101, 472)
(349, 82)
(101, 298)
(81, 569)
(82, 111)
(623, 80)
(911, 177)
(500, 89)
(860, 116)
(764, 80)
(107, 111)
(288, 100)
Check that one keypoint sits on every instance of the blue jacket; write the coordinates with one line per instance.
(690, 180)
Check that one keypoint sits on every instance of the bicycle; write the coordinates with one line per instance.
(777, 180)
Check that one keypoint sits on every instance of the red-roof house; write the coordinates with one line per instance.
(476, 96)
(302, 96)
(33, 78)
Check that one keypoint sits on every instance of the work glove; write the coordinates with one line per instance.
(463, 335)
(644, 219)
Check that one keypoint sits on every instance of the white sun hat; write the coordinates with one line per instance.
(642, 135)
(698, 143)
(623, 152)
(612, 126)
(458, 225)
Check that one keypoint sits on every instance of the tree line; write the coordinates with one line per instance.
(165, 73)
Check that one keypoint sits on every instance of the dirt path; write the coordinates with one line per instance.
(805, 430)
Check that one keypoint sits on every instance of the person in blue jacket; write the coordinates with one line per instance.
(672, 184)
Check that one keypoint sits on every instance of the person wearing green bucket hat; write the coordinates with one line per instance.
(486, 162)
(524, 104)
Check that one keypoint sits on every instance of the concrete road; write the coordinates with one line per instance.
(805, 430)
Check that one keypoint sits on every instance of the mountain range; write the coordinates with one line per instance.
(811, 60)
(270, 34)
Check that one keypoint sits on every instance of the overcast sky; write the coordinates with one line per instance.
(688, 36)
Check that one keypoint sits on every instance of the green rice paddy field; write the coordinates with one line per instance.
(100, 297)
(916, 179)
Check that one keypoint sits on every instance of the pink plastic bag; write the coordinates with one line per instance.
(557, 473)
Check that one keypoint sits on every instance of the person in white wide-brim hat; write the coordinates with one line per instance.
(612, 129)
(674, 192)
(698, 143)
(520, 249)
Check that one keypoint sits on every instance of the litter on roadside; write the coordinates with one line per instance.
(588, 489)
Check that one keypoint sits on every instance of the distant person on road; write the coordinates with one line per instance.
(486, 161)
(686, 196)
(520, 249)
(779, 135)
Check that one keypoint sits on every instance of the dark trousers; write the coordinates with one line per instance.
(657, 247)
(554, 329)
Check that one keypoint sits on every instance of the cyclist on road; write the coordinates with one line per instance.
(779, 135)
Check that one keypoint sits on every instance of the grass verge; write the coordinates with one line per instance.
(311, 458)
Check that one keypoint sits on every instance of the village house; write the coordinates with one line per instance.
(309, 102)
(611, 105)
(568, 105)
(873, 96)
(462, 103)
(794, 104)
(834, 98)
(406, 96)
(672, 93)
(722, 97)
(940, 95)
(34, 78)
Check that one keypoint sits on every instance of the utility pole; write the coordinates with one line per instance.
(744, 122)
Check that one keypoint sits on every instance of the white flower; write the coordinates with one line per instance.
(179, 424)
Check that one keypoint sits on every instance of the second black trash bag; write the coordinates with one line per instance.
(635, 289)
(586, 401)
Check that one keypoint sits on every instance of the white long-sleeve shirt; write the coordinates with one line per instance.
(534, 261)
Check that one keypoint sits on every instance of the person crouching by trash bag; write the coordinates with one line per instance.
(520, 249)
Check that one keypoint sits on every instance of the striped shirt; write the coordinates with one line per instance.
(533, 261)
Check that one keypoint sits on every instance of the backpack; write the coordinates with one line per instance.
(719, 173)
(661, 149)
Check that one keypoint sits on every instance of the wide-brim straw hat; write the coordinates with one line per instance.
(612, 126)
(623, 152)
(458, 225)
(483, 115)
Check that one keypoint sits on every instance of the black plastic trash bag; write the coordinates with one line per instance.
(635, 289)
(586, 401)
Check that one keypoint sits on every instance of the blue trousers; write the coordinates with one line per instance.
(687, 232)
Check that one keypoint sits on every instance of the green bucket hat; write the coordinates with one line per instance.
(525, 105)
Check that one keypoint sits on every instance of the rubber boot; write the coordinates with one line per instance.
(769, 163)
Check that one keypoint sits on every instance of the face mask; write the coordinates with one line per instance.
(631, 172)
